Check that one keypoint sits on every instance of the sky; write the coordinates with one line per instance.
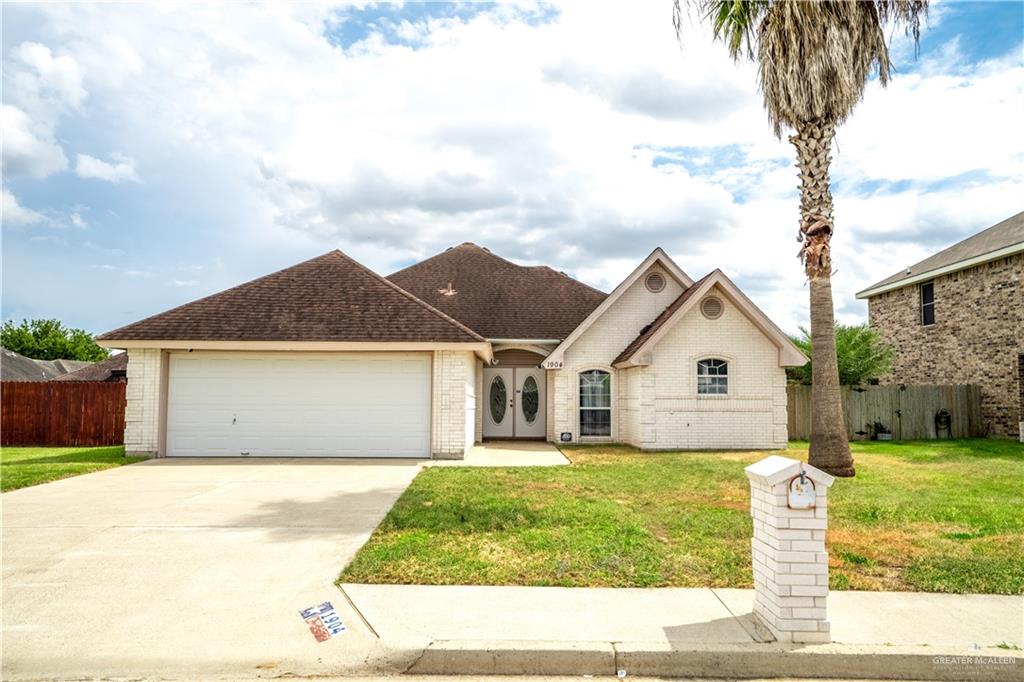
(157, 153)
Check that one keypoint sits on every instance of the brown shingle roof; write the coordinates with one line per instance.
(111, 369)
(497, 298)
(648, 331)
(1001, 235)
(328, 298)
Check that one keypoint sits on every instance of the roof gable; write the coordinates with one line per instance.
(499, 299)
(658, 256)
(328, 298)
(111, 369)
(1000, 240)
(634, 354)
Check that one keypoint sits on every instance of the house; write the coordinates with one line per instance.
(957, 317)
(113, 369)
(17, 367)
(329, 359)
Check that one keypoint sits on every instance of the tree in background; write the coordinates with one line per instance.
(814, 60)
(50, 340)
(860, 353)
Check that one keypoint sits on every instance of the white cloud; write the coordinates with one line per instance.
(127, 272)
(185, 282)
(38, 89)
(28, 146)
(121, 170)
(78, 221)
(41, 76)
(970, 121)
(16, 214)
(103, 249)
(535, 138)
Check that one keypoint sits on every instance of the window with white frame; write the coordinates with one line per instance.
(595, 403)
(712, 377)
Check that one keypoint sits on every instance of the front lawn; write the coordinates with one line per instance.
(941, 516)
(21, 467)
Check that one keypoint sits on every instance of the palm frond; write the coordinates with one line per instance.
(905, 13)
(814, 56)
(734, 22)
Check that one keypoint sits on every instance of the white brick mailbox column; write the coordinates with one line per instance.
(790, 561)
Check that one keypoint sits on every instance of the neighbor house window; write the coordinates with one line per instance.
(712, 377)
(595, 403)
(928, 303)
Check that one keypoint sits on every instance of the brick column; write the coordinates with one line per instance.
(453, 412)
(789, 556)
(144, 402)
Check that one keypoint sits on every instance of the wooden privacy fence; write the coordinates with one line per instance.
(72, 413)
(907, 411)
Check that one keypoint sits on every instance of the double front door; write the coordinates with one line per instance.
(514, 402)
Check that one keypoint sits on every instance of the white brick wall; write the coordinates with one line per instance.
(454, 396)
(601, 344)
(753, 415)
(630, 405)
(143, 402)
(478, 384)
(656, 406)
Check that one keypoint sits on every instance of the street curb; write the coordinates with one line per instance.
(462, 657)
(661, 659)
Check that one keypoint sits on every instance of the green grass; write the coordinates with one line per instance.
(21, 467)
(942, 516)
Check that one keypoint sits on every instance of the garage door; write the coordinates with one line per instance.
(298, 404)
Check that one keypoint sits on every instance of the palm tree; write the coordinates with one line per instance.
(814, 59)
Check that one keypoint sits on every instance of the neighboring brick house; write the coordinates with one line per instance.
(957, 317)
(328, 359)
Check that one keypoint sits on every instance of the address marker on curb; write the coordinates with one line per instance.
(789, 505)
(323, 621)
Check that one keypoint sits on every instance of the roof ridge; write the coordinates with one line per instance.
(567, 276)
(503, 260)
(110, 334)
(410, 296)
(968, 238)
(909, 272)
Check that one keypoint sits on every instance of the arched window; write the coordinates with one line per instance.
(595, 403)
(712, 377)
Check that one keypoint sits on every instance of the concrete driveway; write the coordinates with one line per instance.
(188, 568)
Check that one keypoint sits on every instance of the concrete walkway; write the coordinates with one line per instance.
(688, 632)
(189, 568)
(507, 453)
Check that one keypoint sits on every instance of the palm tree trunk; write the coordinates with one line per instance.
(830, 449)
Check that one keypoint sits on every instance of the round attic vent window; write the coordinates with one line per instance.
(655, 282)
(711, 307)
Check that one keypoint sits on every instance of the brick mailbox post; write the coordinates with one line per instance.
(790, 514)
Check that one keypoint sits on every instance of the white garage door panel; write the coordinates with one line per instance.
(269, 405)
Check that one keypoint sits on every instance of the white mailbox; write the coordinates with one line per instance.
(801, 492)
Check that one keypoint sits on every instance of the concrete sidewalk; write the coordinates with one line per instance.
(690, 633)
(506, 453)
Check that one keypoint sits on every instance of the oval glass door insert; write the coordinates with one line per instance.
(531, 400)
(498, 398)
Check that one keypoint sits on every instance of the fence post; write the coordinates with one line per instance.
(788, 548)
